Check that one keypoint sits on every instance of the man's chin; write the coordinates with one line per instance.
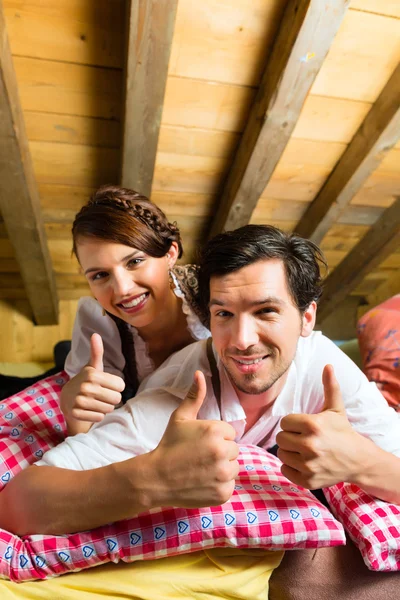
(252, 387)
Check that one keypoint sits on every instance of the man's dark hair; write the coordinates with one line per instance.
(233, 250)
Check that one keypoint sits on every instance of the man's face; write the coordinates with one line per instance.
(256, 325)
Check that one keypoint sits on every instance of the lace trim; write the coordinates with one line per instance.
(144, 364)
(195, 326)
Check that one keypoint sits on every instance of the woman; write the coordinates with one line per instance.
(144, 307)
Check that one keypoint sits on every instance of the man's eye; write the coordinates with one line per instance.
(223, 313)
(266, 311)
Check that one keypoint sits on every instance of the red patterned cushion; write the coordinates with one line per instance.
(373, 525)
(379, 339)
(265, 510)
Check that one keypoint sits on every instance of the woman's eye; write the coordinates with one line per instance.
(99, 275)
(133, 262)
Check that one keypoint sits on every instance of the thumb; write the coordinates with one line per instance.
(190, 406)
(96, 352)
(333, 395)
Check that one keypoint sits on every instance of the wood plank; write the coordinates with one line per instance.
(390, 8)
(63, 164)
(380, 189)
(61, 255)
(196, 141)
(67, 30)
(386, 290)
(8, 265)
(209, 105)
(184, 204)
(150, 32)
(330, 119)
(72, 129)
(226, 41)
(362, 58)
(370, 283)
(19, 198)
(66, 88)
(185, 173)
(287, 78)
(60, 203)
(381, 240)
(376, 136)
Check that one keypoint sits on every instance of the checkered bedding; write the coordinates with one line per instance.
(265, 511)
(373, 525)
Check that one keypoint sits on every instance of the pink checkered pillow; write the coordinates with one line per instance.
(265, 511)
(373, 525)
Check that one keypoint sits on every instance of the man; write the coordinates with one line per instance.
(280, 383)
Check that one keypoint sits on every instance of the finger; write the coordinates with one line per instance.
(90, 405)
(96, 352)
(87, 416)
(293, 475)
(95, 393)
(190, 406)
(291, 442)
(296, 423)
(290, 459)
(107, 381)
(333, 395)
(232, 451)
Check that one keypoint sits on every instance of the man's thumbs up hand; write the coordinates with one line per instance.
(190, 406)
(333, 396)
(196, 460)
(319, 450)
(92, 393)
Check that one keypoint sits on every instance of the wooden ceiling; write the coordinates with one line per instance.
(225, 112)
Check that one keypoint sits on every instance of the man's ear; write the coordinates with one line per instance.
(172, 255)
(308, 319)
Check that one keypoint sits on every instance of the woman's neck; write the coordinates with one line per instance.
(170, 325)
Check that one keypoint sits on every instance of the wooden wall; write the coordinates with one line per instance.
(68, 57)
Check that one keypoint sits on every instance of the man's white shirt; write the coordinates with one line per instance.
(138, 426)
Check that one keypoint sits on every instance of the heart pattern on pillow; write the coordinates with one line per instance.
(265, 511)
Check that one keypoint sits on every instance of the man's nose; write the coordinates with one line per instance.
(244, 333)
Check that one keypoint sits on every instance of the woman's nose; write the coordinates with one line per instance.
(123, 284)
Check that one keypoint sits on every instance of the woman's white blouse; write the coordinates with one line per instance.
(90, 319)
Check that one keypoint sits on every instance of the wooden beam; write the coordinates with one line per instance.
(151, 27)
(303, 40)
(19, 198)
(386, 290)
(379, 242)
(378, 133)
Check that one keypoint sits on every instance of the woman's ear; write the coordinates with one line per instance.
(172, 255)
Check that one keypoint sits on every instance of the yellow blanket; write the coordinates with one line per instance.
(212, 574)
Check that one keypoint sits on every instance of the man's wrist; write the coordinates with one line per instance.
(368, 465)
(138, 479)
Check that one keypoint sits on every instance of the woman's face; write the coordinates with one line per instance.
(127, 282)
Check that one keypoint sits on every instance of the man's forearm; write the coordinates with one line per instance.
(50, 500)
(380, 474)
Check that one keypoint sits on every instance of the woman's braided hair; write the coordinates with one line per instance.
(123, 216)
